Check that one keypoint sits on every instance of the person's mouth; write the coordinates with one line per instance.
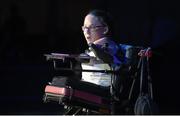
(88, 38)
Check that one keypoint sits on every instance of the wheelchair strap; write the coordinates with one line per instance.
(150, 88)
(141, 66)
(134, 79)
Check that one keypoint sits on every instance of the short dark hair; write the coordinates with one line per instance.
(105, 17)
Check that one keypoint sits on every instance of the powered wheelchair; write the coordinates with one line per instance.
(80, 97)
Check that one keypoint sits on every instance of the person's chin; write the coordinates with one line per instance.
(88, 40)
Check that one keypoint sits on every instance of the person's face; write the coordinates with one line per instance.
(93, 28)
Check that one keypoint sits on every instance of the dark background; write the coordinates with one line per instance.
(31, 28)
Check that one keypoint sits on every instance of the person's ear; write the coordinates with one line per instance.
(106, 29)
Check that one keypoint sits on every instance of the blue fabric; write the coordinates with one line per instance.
(127, 52)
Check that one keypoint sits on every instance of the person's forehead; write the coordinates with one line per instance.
(91, 20)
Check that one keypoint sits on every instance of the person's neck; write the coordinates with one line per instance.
(100, 40)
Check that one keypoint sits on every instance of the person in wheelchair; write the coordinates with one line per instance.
(97, 30)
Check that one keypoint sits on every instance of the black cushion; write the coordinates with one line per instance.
(62, 81)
